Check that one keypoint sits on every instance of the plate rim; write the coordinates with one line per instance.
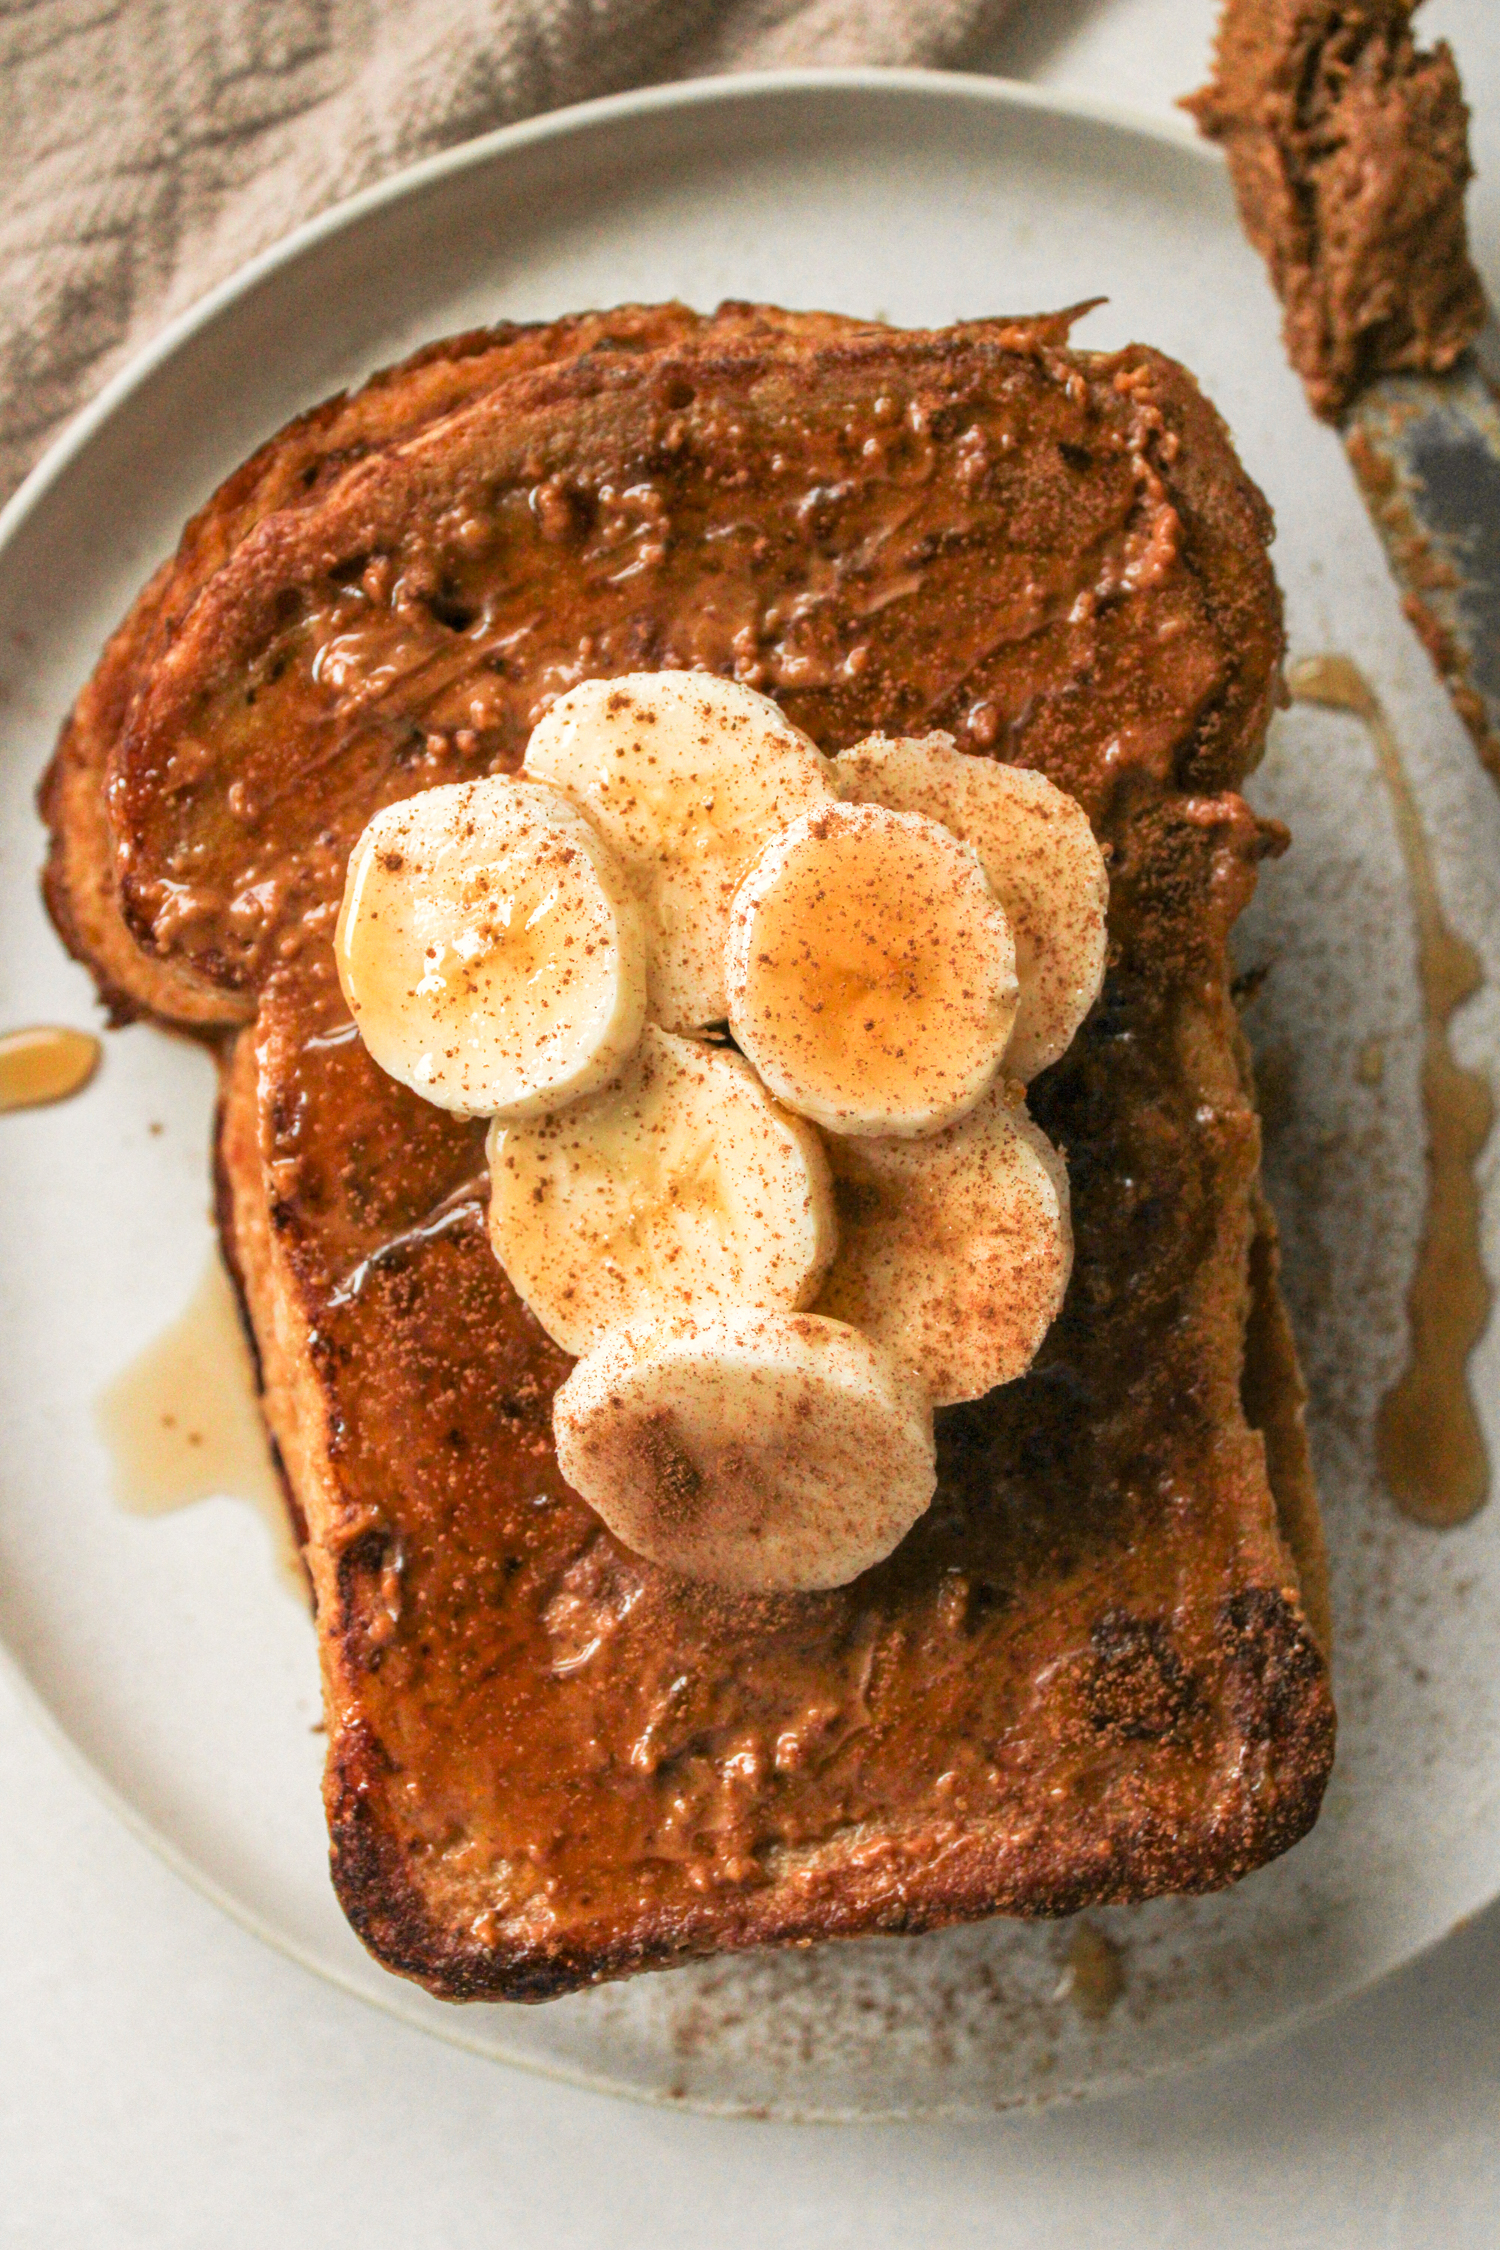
(981, 89)
(973, 89)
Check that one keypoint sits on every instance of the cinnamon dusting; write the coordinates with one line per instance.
(673, 1476)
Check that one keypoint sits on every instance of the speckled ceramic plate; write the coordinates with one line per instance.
(169, 1652)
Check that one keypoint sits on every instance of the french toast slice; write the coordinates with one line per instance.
(1095, 1670)
(290, 470)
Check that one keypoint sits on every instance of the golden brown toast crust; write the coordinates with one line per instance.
(1088, 1674)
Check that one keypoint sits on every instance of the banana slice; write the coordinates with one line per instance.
(871, 971)
(686, 776)
(490, 949)
(1040, 855)
(954, 1252)
(680, 1188)
(763, 1451)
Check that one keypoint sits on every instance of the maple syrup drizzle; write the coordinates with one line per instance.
(1428, 1441)
(1093, 1973)
(45, 1063)
(183, 1423)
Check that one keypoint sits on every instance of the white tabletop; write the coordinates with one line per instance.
(165, 2079)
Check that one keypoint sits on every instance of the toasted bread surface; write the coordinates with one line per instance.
(1091, 1672)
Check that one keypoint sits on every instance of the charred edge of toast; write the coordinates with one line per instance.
(78, 880)
(1275, 1404)
(232, 1248)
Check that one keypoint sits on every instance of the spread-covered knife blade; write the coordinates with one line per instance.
(1426, 450)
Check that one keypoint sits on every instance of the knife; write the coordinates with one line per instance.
(1426, 452)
